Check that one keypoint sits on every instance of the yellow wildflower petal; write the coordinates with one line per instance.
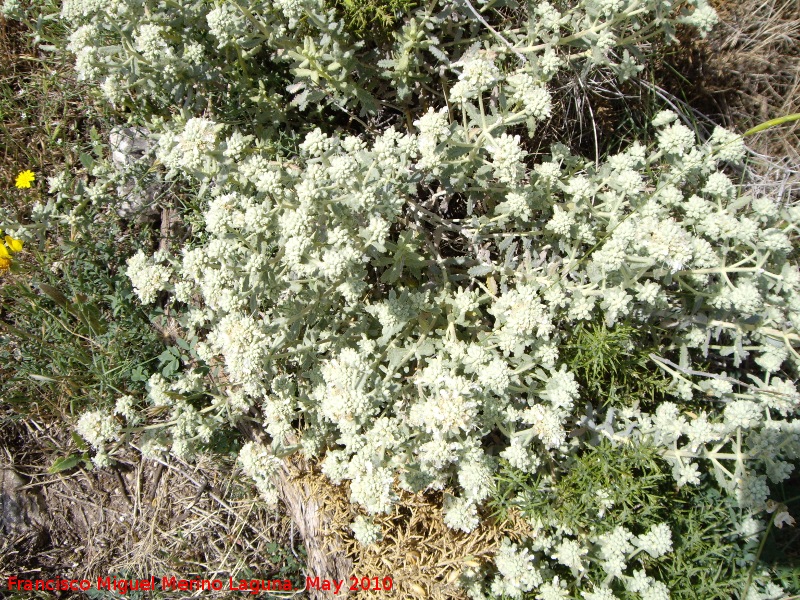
(4, 252)
(5, 264)
(25, 179)
(13, 245)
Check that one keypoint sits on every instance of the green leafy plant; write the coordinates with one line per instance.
(362, 17)
(613, 364)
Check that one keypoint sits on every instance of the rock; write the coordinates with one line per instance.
(128, 144)
(20, 510)
(130, 155)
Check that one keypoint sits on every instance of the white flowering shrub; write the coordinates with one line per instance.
(360, 341)
(394, 300)
(259, 56)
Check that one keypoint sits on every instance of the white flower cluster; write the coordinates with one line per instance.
(227, 24)
(149, 41)
(614, 548)
(599, 593)
(647, 587)
(76, 9)
(365, 531)
(188, 429)
(126, 407)
(98, 427)
(243, 344)
(343, 400)
(460, 514)
(703, 17)
(535, 99)
(520, 456)
(374, 490)
(675, 139)
(147, 277)
(158, 390)
(507, 158)
(477, 74)
(520, 317)
(517, 573)
(191, 149)
(657, 541)
(570, 554)
(261, 466)
(775, 447)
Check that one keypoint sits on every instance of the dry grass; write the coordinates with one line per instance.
(139, 520)
(754, 62)
(424, 556)
(419, 552)
(752, 70)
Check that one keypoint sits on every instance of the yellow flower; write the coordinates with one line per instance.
(13, 245)
(5, 258)
(24, 179)
(5, 255)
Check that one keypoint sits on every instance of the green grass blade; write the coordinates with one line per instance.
(772, 123)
